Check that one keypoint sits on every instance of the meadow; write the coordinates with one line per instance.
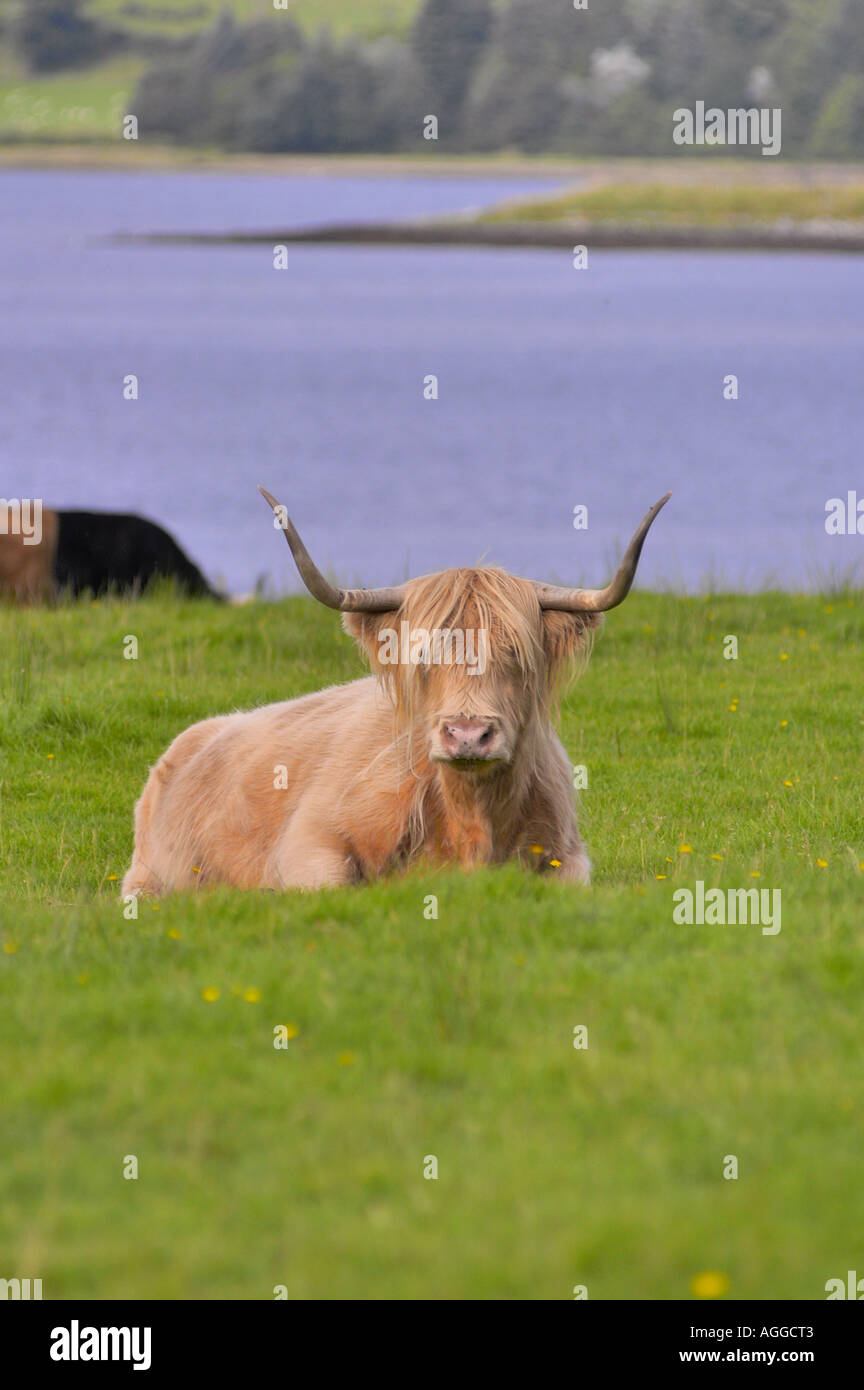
(406, 1037)
(82, 105)
(368, 18)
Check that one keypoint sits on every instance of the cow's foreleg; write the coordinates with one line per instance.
(304, 859)
(575, 866)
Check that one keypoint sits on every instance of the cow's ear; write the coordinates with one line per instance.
(375, 633)
(567, 637)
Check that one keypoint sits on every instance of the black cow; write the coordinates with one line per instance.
(99, 552)
(117, 550)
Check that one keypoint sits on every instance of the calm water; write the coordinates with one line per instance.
(556, 387)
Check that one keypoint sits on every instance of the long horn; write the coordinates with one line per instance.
(344, 600)
(553, 596)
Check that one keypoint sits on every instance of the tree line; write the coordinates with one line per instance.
(531, 75)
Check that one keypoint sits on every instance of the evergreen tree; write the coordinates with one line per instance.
(448, 39)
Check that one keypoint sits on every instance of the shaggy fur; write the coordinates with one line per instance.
(26, 571)
(365, 793)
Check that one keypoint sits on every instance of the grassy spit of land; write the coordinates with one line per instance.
(685, 204)
(408, 1037)
(804, 201)
(699, 201)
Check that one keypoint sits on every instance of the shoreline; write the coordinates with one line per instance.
(140, 158)
(530, 236)
(135, 157)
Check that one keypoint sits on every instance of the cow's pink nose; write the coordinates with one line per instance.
(469, 738)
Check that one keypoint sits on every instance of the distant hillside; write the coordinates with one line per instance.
(360, 76)
(81, 102)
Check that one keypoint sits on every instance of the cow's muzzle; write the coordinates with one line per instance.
(467, 743)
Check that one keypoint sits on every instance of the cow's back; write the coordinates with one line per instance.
(101, 551)
(223, 793)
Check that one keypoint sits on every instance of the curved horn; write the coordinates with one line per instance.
(553, 596)
(344, 600)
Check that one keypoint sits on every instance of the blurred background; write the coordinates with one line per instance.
(353, 75)
(600, 387)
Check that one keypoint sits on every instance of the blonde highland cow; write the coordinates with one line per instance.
(456, 761)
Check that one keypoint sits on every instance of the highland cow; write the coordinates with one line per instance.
(425, 758)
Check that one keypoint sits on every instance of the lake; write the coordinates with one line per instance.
(557, 387)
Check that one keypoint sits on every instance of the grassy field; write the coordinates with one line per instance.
(177, 18)
(86, 104)
(368, 18)
(453, 1037)
(693, 204)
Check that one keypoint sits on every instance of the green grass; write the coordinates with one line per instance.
(368, 18)
(83, 104)
(304, 1167)
(691, 204)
